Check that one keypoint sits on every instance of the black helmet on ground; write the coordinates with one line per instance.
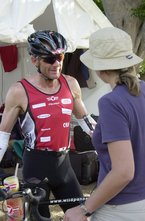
(38, 41)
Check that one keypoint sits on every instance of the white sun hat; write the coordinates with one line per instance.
(110, 48)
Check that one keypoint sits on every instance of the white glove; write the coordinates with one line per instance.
(4, 139)
(87, 123)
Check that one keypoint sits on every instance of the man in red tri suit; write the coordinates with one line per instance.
(43, 103)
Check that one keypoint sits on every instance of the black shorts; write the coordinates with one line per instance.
(57, 169)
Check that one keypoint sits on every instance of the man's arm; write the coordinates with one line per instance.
(13, 107)
(86, 122)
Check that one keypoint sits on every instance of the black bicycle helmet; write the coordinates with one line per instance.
(37, 43)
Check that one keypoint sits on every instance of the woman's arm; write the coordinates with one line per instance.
(121, 173)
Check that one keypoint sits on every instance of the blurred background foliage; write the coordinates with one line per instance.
(99, 4)
(138, 12)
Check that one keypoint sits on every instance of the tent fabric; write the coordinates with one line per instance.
(15, 16)
(9, 57)
(100, 20)
(77, 20)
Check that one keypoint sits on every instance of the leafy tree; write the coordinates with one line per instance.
(99, 4)
(140, 11)
(128, 15)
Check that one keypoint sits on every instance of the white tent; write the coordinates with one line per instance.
(74, 19)
(15, 18)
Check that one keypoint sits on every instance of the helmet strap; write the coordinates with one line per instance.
(43, 75)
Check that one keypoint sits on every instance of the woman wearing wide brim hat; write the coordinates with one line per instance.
(119, 136)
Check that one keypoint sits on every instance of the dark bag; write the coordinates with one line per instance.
(82, 140)
(85, 165)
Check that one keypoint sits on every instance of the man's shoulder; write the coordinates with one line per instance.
(69, 78)
(16, 89)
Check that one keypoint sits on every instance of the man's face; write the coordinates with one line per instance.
(51, 66)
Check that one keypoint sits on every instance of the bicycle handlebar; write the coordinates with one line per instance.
(35, 199)
(33, 196)
(40, 195)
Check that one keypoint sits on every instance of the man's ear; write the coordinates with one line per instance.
(34, 60)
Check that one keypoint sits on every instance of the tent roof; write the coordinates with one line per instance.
(75, 21)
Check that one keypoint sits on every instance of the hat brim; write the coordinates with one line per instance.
(99, 64)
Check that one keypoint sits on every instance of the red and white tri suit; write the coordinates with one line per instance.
(46, 126)
(46, 123)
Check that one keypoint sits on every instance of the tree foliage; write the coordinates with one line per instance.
(139, 11)
(129, 16)
(99, 4)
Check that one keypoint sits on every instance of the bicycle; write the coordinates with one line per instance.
(32, 196)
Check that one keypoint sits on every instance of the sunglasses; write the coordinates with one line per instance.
(53, 58)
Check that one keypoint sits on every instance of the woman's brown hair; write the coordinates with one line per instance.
(128, 77)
